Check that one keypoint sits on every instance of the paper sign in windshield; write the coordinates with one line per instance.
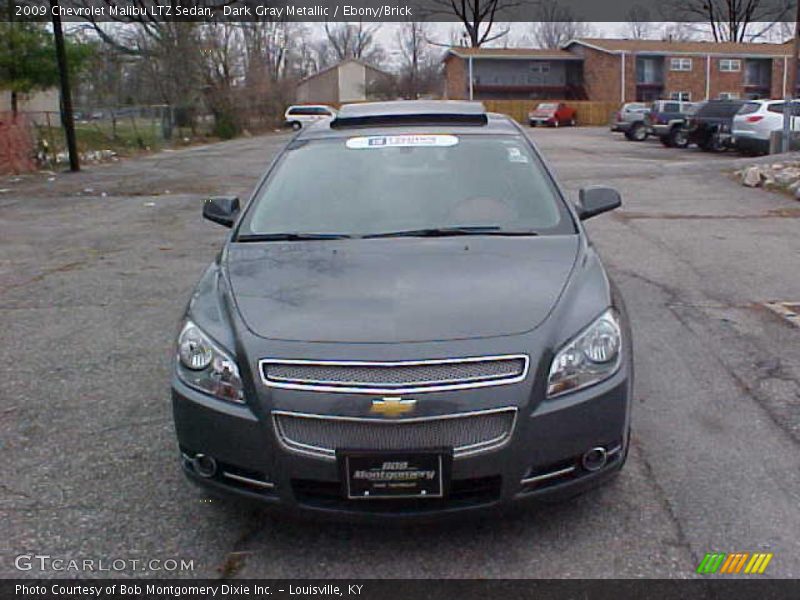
(401, 141)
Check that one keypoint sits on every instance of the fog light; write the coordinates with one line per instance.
(594, 459)
(204, 465)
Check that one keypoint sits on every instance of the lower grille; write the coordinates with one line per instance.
(466, 433)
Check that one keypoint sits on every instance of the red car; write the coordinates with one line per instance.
(553, 114)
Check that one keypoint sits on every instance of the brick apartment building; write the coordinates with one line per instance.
(617, 70)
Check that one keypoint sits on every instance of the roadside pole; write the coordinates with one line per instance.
(471, 95)
(67, 117)
(788, 106)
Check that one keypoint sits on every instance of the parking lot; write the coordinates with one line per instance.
(95, 271)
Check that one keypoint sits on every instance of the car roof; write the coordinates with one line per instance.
(385, 118)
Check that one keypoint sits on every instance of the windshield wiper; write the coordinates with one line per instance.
(290, 237)
(453, 231)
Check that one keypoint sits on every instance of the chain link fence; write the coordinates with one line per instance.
(35, 139)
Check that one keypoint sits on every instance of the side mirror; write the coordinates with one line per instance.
(221, 209)
(597, 199)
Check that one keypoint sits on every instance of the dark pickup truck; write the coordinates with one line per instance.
(710, 127)
(667, 120)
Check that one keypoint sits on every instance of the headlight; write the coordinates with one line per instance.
(594, 355)
(204, 366)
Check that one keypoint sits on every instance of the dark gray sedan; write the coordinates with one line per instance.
(407, 318)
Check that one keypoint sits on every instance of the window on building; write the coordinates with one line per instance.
(681, 96)
(729, 65)
(728, 95)
(680, 64)
(540, 67)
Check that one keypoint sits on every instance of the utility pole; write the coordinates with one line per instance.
(791, 92)
(12, 69)
(67, 117)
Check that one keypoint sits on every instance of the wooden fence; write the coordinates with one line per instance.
(588, 113)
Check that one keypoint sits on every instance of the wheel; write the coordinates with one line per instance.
(707, 144)
(533, 123)
(296, 125)
(556, 123)
(664, 139)
(712, 144)
(717, 144)
(638, 132)
(572, 122)
(678, 137)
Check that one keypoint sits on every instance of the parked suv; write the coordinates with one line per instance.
(756, 120)
(630, 120)
(711, 126)
(302, 115)
(667, 120)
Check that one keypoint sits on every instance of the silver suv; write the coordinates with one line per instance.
(630, 120)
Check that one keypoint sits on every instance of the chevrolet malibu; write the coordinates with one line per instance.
(407, 318)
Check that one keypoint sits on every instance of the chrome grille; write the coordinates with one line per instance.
(466, 433)
(394, 377)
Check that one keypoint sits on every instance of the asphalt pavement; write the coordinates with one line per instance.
(95, 270)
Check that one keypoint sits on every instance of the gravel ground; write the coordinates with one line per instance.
(95, 270)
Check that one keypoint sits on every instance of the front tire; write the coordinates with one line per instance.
(572, 122)
(712, 144)
(638, 132)
(556, 123)
(678, 138)
(296, 126)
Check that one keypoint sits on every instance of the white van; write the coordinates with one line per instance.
(300, 115)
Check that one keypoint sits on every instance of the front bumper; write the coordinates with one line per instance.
(621, 126)
(659, 130)
(541, 120)
(541, 461)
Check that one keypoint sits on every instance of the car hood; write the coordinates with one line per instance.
(398, 289)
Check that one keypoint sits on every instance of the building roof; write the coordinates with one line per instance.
(617, 46)
(339, 64)
(513, 53)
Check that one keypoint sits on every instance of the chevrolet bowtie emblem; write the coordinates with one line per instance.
(392, 407)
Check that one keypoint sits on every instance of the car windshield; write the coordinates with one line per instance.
(547, 106)
(380, 184)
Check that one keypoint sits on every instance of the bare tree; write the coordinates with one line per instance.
(680, 32)
(733, 20)
(638, 23)
(355, 40)
(419, 65)
(267, 46)
(221, 68)
(557, 26)
(478, 17)
(169, 50)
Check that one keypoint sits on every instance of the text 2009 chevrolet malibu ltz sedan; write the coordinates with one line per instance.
(407, 318)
